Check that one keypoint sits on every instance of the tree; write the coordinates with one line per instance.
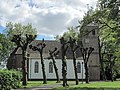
(107, 16)
(64, 48)
(111, 61)
(52, 56)
(86, 54)
(104, 16)
(22, 36)
(23, 45)
(5, 48)
(111, 7)
(39, 48)
(110, 32)
(74, 47)
(72, 32)
(17, 29)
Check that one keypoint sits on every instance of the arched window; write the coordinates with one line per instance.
(78, 67)
(50, 67)
(36, 67)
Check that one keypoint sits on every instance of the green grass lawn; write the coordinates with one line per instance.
(36, 83)
(31, 84)
(93, 86)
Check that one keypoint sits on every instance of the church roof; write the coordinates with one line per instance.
(50, 45)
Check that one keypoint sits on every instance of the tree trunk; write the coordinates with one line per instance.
(86, 73)
(14, 51)
(10, 61)
(101, 61)
(56, 70)
(75, 69)
(43, 69)
(28, 58)
(111, 72)
(64, 72)
(111, 68)
(24, 68)
(64, 66)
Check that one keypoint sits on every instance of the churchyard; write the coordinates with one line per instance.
(86, 57)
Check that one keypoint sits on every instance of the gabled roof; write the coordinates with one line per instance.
(50, 45)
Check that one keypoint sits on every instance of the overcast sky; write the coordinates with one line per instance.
(49, 17)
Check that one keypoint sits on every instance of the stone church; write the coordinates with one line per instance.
(34, 61)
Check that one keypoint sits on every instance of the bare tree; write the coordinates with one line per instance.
(39, 47)
(86, 54)
(64, 48)
(74, 47)
(52, 56)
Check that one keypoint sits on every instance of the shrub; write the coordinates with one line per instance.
(9, 79)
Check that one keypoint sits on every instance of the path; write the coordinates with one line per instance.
(45, 87)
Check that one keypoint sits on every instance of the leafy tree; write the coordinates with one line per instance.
(23, 45)
(109, 34)
(22, 36)
(107, 16)
(111, 7)
(17, 29)
(5, 47)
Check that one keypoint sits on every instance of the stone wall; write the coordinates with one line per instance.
(91, 40)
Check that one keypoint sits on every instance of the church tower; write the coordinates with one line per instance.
(91, 40)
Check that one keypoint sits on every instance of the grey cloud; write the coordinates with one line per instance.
(50, 17)
(74, 22)
(52, 23)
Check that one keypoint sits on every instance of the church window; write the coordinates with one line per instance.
(50, 67)
(93, 32)
(78, 67)
(36, 67)
(86, 40)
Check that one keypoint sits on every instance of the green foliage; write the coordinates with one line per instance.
(9, 79)
(5, 47)
(107, 16)
(112, 7)
(72, 32)
(19, 29)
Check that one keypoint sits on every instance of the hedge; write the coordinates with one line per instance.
(9, 79)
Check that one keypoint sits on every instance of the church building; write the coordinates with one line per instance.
(34, 62)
